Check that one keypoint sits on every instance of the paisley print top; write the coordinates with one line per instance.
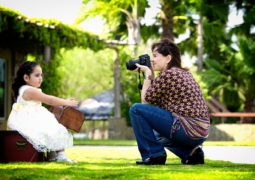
(177, 91)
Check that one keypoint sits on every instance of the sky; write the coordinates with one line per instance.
(68, 10)
(65, 11)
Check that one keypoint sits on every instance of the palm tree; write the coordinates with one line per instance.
(121, 16)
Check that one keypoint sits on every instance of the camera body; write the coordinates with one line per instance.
(142, 60)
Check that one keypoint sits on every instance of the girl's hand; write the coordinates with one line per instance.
(72, 102)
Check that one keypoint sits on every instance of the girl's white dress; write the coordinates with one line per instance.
(38, 125)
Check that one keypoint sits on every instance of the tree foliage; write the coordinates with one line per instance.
(116, 13)
(52, 79)
(229, 64)
(86, 73)
(31, 35)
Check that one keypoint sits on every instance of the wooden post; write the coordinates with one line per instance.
(47, 53)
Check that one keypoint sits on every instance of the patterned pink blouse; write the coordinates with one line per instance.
(177, 91)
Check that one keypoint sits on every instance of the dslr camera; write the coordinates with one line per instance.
(142, 60)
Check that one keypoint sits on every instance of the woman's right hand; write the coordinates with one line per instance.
(144, 69)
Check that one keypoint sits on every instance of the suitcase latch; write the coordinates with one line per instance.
(21, 145)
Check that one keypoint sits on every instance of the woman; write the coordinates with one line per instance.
(173, 112)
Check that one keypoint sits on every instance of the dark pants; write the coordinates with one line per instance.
(152, 126)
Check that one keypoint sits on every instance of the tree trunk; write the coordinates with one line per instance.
(200, 50)
(117, 111)
(167, 20)
(133, 35)
(47, 53)
(133, 26)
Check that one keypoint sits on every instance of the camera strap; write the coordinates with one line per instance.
(140, 86)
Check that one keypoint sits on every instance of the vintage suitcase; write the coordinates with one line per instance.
(70, 117)
(14, 147)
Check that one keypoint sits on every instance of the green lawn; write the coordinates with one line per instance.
(96, 162)
(133, 143)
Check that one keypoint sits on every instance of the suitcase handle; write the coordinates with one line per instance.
(21, 145)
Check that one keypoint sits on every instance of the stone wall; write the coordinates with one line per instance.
(232, 132)
(117, 129)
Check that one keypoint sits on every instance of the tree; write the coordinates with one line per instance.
(117, 13)
(230, 65)
(121, 16)
(222, 61)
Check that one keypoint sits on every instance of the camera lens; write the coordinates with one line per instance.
(143, 60)
(131, 64)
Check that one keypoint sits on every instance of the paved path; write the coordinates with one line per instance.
(235, 154)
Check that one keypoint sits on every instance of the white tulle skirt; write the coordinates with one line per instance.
(40, 128)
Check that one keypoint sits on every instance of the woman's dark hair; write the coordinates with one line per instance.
(167, 47)
(26, 68)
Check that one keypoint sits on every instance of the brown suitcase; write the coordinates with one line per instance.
(15, 148)
(69, 117)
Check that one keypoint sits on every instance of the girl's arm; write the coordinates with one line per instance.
(36, 95)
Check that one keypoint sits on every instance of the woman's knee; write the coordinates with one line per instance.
(135, 107)
(133, 112)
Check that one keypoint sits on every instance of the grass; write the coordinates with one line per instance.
(97, 162)
(105, 142)
(133, 143)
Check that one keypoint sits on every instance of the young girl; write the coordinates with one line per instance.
(35, 122)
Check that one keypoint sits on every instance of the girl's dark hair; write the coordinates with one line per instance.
(26, 68)
(167, 47)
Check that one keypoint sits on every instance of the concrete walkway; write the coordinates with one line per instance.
(235, 154)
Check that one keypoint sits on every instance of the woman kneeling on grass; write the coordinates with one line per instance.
(173, 113)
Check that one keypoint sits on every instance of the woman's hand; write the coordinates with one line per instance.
(144, 69)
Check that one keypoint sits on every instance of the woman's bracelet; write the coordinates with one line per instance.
(148, 77)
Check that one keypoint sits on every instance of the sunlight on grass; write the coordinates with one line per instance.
(90, 152)
(110, 153)
(98, 162)
(133, 143)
